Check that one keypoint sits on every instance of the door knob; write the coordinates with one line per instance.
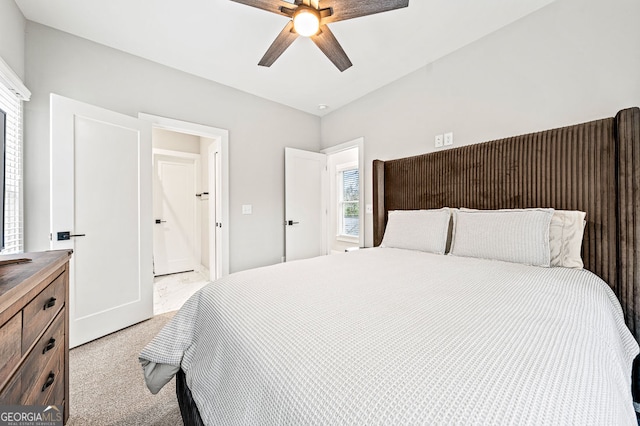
(291, 222)
(158, 221)
(66, 235)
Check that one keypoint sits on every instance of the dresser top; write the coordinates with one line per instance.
(17, 279)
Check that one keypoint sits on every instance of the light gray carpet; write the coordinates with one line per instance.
(106, 385)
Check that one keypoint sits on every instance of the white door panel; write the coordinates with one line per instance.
(305, 204)
(174, 239)
(101, 187)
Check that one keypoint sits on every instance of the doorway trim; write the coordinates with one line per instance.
(355, 143)
(221, 137)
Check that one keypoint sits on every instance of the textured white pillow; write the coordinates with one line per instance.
(565, 238)
(424, 230)
(517, 236)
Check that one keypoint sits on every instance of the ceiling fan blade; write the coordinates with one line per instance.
(329, 45)
(268, 5)
(279, 45)
(349, 9)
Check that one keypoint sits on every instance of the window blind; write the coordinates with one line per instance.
(13, 215)
(350, 203)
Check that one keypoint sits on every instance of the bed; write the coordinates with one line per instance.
(388, 335)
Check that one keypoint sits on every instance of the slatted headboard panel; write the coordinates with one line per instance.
(593, 167)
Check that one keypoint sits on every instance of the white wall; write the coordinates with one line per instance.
(259, 130)
(174, 141)
(12, 39)
(570, 62)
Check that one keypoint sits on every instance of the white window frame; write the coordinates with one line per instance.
(340, 169)
(12, 94)
(365, 220)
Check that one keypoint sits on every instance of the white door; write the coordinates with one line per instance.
(174, 211)
(305, 204)
(101, 192)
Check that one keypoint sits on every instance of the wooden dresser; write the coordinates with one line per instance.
(34, 330)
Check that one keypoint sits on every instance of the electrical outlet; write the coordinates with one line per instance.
(247, 209)
(448, 138)
(438, 141)
(368, 209)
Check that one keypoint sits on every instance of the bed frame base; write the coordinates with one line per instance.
(188, 408)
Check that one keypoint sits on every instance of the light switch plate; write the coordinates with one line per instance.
(448, 138)
(247, 209)
(438, 141)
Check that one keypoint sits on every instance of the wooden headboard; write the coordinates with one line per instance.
(592, 167)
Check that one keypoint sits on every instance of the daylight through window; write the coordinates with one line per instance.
(349, 203)
(13, 231)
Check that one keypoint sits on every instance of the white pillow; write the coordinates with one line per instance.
(518, 236)
(566, 231)
(424, 230)
(565, 238)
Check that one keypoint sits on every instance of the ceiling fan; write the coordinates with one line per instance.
(309, 18)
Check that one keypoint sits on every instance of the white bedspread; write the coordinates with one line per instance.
(390, 336)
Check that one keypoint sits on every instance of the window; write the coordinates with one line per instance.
(11, 104)
(348, 202)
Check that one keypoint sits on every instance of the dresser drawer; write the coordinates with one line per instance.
(11, 393)
(34, 321)
(43, 351)
(10, 352)
(41, 310)
(56, 396)
(41, 390)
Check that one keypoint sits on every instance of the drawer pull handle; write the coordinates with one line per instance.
(50, 345)
(50, 303)
(49, 381)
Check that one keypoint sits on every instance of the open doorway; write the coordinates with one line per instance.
(191, 176)
(181, 262)
(324, 209)
(212, 194)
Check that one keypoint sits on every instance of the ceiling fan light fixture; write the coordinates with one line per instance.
(306, 21)
(309, 18)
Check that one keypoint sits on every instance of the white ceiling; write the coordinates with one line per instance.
(223, 41)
